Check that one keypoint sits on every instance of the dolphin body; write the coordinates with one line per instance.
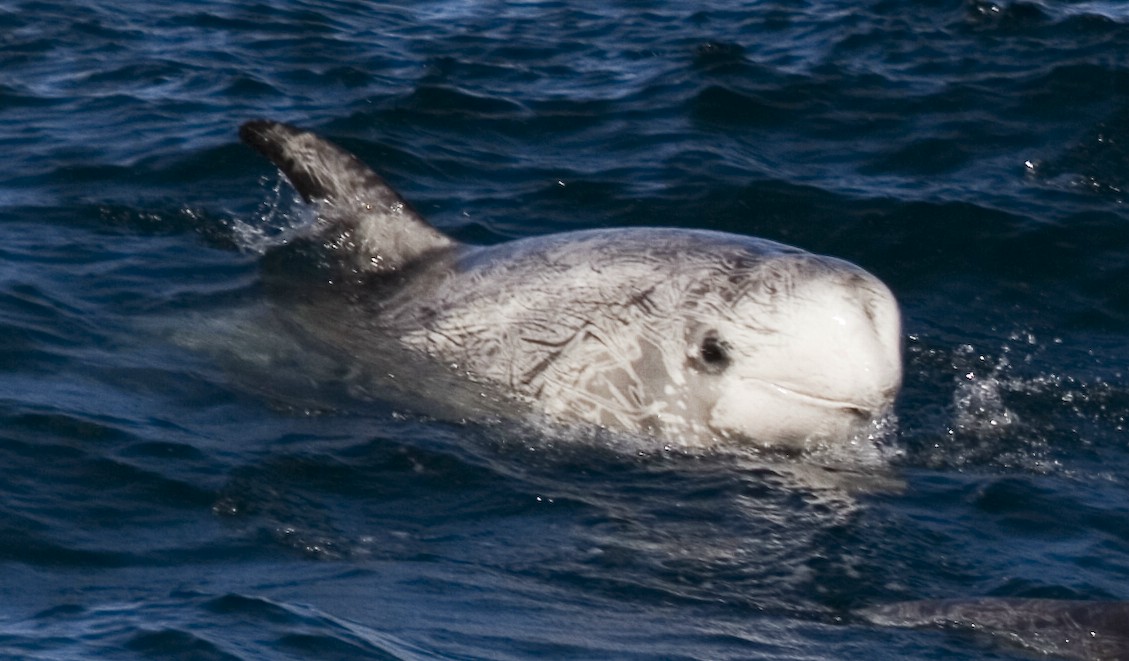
(690, 338)
(1077, 630)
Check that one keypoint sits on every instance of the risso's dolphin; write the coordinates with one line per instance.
(1058, 628)
(692, 338)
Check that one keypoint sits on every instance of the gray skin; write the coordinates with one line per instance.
(1078, 630)
(688, 337)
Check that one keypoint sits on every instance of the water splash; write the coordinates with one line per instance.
(280, 219)
(1000, 415)
(978, 403)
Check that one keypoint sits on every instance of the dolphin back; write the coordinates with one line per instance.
(359, 214)
(1080, 630)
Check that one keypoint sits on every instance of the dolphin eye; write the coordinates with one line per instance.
(713, 353)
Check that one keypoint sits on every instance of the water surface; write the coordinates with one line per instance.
(164, 497)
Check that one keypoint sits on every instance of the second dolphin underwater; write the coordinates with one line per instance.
(690, 337)
(1058, 628)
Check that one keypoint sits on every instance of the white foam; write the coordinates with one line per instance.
(279, 220)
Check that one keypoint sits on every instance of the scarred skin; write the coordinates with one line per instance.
(687, 336)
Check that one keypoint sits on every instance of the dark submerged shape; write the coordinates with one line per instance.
(1077, 630)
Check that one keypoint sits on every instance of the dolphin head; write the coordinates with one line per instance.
(795, 350)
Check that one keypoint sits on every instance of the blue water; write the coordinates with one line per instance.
(164, 497)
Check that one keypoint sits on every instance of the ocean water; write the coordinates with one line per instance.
(178, 482)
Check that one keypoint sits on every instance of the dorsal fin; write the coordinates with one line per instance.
(361, 214)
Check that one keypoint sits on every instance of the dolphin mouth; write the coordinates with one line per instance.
(861, 410)
(780, 414)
